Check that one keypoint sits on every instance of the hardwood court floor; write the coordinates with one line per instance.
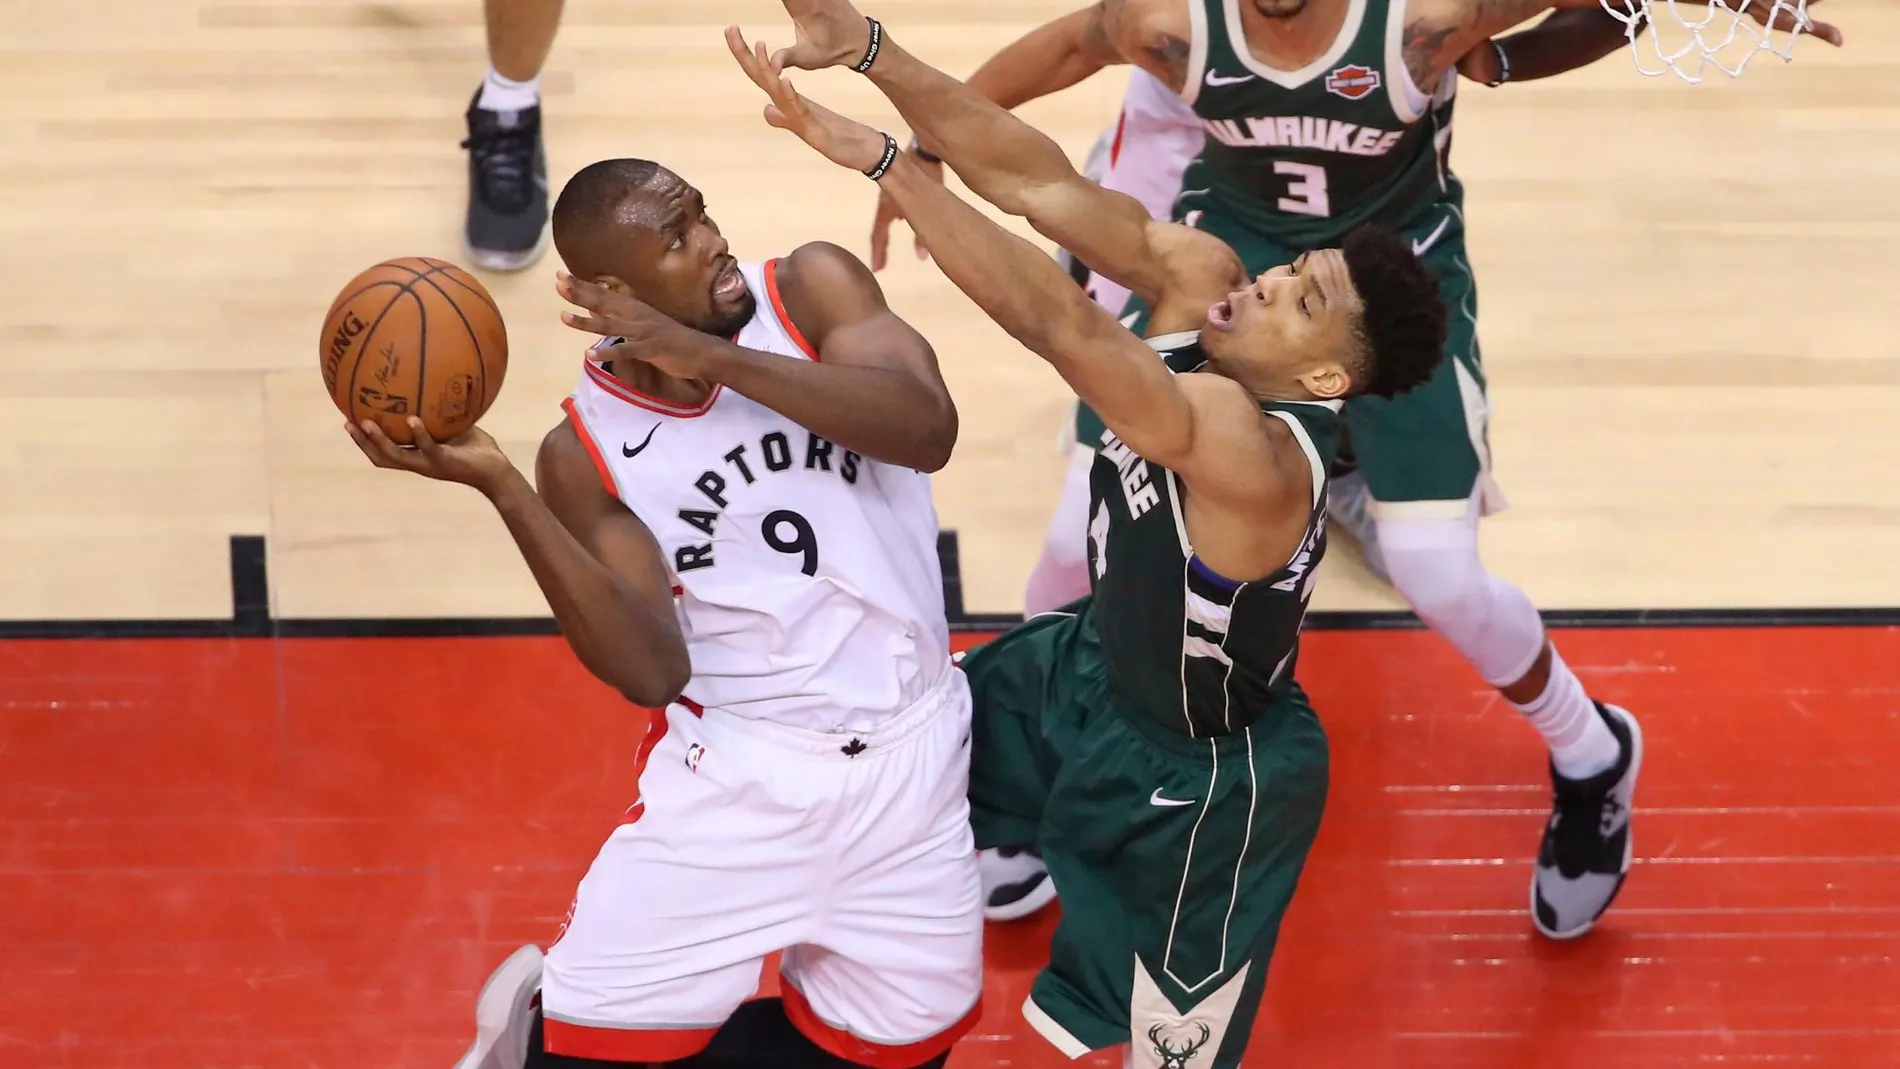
(307, 854)
(1688, 315)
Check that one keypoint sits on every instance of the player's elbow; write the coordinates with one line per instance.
(656, 681)
(936, 437)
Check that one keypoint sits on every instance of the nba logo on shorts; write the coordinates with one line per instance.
(694, 753)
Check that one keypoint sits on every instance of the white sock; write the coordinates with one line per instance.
(503, 94)
(1580, 742)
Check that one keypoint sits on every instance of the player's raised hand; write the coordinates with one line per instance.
(472, 459)
(646, 333)
(831, 33)
(1785, 18)
(845, 142)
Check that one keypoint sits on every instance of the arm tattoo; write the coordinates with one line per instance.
(1170, 53)
(1422, 50)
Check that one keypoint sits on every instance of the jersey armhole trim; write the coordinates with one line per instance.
(1197, 51)
(593, 448)
(1409, 101)
(784, 317)
(1305, 441)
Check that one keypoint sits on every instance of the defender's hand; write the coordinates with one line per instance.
(845, 142)
(472, 459)
(831, 33)
(888, 212)
(1784, 19)
(648, 335)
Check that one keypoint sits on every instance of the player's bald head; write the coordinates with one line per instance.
(603, 204)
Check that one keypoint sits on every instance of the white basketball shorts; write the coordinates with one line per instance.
(852, 854)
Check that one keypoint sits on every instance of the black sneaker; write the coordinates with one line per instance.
(1015, 882)
(507, 227)
(1586, 852)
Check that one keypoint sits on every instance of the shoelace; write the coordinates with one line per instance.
(504, 160)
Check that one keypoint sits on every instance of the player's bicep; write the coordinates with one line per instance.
(1122, 379)
(854, 326)
(1153, 35)
(574, 487)
(1230, 459)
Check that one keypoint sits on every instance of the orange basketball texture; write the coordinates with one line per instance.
(414, 337)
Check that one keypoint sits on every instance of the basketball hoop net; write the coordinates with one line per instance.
(1724, 33)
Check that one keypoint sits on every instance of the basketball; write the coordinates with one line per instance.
(414, 336)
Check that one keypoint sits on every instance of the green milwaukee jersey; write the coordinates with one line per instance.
(1184, 646)
(1305, 156)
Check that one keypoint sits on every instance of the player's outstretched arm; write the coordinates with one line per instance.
(873, 385)
(1439, 32)
(1566, 41)
(1001, 158)
(1018, 286)
(596, 563)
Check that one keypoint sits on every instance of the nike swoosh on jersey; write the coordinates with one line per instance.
(1157, 799)
(1424, 245)
(634, 450)
(1215, 79)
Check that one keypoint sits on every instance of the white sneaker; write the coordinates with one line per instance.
(504, 1013)
(1015, 882)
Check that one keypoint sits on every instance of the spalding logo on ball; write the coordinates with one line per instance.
(414, 337)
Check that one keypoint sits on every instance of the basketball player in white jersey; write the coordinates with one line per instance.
(734, 523)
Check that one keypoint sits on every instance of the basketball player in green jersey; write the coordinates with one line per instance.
(1152, 737)
(1321, 115)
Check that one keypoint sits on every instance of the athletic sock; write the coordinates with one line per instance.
(505, 94)
(1580, 742)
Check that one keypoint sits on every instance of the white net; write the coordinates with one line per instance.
(1686, 38)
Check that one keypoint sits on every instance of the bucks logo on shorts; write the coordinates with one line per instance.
(1177, 1040)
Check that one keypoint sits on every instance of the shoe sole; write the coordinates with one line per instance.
(509, 261)
(1033, 902)
(503, 1000)
(1629, 840)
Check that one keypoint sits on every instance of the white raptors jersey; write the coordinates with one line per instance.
(809, 586)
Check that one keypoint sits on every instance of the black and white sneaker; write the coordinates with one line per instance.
(1015, 882)
(1586, 852)
(507, 228)
(504, 1013)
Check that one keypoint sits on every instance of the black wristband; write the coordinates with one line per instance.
(871, 49)
(884, 165)
(918, 151)
(1504, 65)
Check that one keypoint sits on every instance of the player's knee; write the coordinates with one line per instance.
(1434, 565)
(1440, 577)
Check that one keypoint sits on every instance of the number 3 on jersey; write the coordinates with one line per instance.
(1306, 194)
(802, 541)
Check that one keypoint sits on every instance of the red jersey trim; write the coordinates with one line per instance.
(606, 381)
(593, 448)
(785, 319)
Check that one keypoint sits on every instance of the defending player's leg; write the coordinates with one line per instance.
(1177, 859)
(506, 227)
(1425, 460)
